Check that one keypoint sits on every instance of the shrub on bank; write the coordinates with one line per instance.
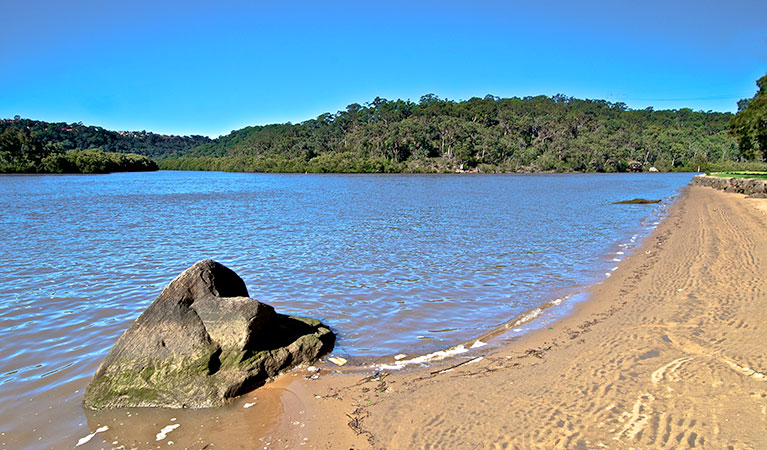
(94, 161)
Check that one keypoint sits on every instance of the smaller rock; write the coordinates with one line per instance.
(337, 360)
(636, 201)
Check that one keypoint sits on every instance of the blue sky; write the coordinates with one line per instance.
(189, 67)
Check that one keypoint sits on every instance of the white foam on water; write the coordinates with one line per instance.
(164, 432)
(88, 438)
(436, 356)
(557, 301)
(248, 405)
(529, 316)
(457, 350)
(478, 344)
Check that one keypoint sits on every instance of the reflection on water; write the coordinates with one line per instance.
(393, 263)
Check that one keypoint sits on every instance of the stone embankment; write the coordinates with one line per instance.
(748, 186)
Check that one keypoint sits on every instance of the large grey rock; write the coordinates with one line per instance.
(202, 342)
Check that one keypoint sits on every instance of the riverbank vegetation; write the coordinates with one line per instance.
(81, 161)
(489, 134)
(95, 161)
(33, 146)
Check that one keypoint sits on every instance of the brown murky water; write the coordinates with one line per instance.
(395, 264)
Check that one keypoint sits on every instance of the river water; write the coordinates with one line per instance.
(393, 263)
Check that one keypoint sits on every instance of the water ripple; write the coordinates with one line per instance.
(393, 263)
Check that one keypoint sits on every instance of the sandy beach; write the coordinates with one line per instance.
(667, 353)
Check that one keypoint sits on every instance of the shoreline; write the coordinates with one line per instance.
(563, 304)
(398, 409)
(563, 301)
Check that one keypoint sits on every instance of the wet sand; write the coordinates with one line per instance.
(669, 352)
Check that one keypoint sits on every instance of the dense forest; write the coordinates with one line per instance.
(487, 134)
(490, 134)
(31, 146)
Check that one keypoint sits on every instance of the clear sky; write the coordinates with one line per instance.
(191, 67)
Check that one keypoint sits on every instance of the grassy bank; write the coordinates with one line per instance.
(753, 175)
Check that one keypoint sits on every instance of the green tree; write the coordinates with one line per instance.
(749, 125)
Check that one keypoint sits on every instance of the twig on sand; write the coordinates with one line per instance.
(537, 352)
(457, 365)
(355, 424)
(378, 376)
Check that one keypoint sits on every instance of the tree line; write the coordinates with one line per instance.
(95, 161)
(489, 134)
(32, 146)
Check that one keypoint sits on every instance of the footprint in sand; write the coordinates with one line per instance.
(668, 370)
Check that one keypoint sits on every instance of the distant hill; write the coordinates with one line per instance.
(25, 143)
(490, 134)
(487, 134)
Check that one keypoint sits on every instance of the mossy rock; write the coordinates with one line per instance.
(202, 342)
